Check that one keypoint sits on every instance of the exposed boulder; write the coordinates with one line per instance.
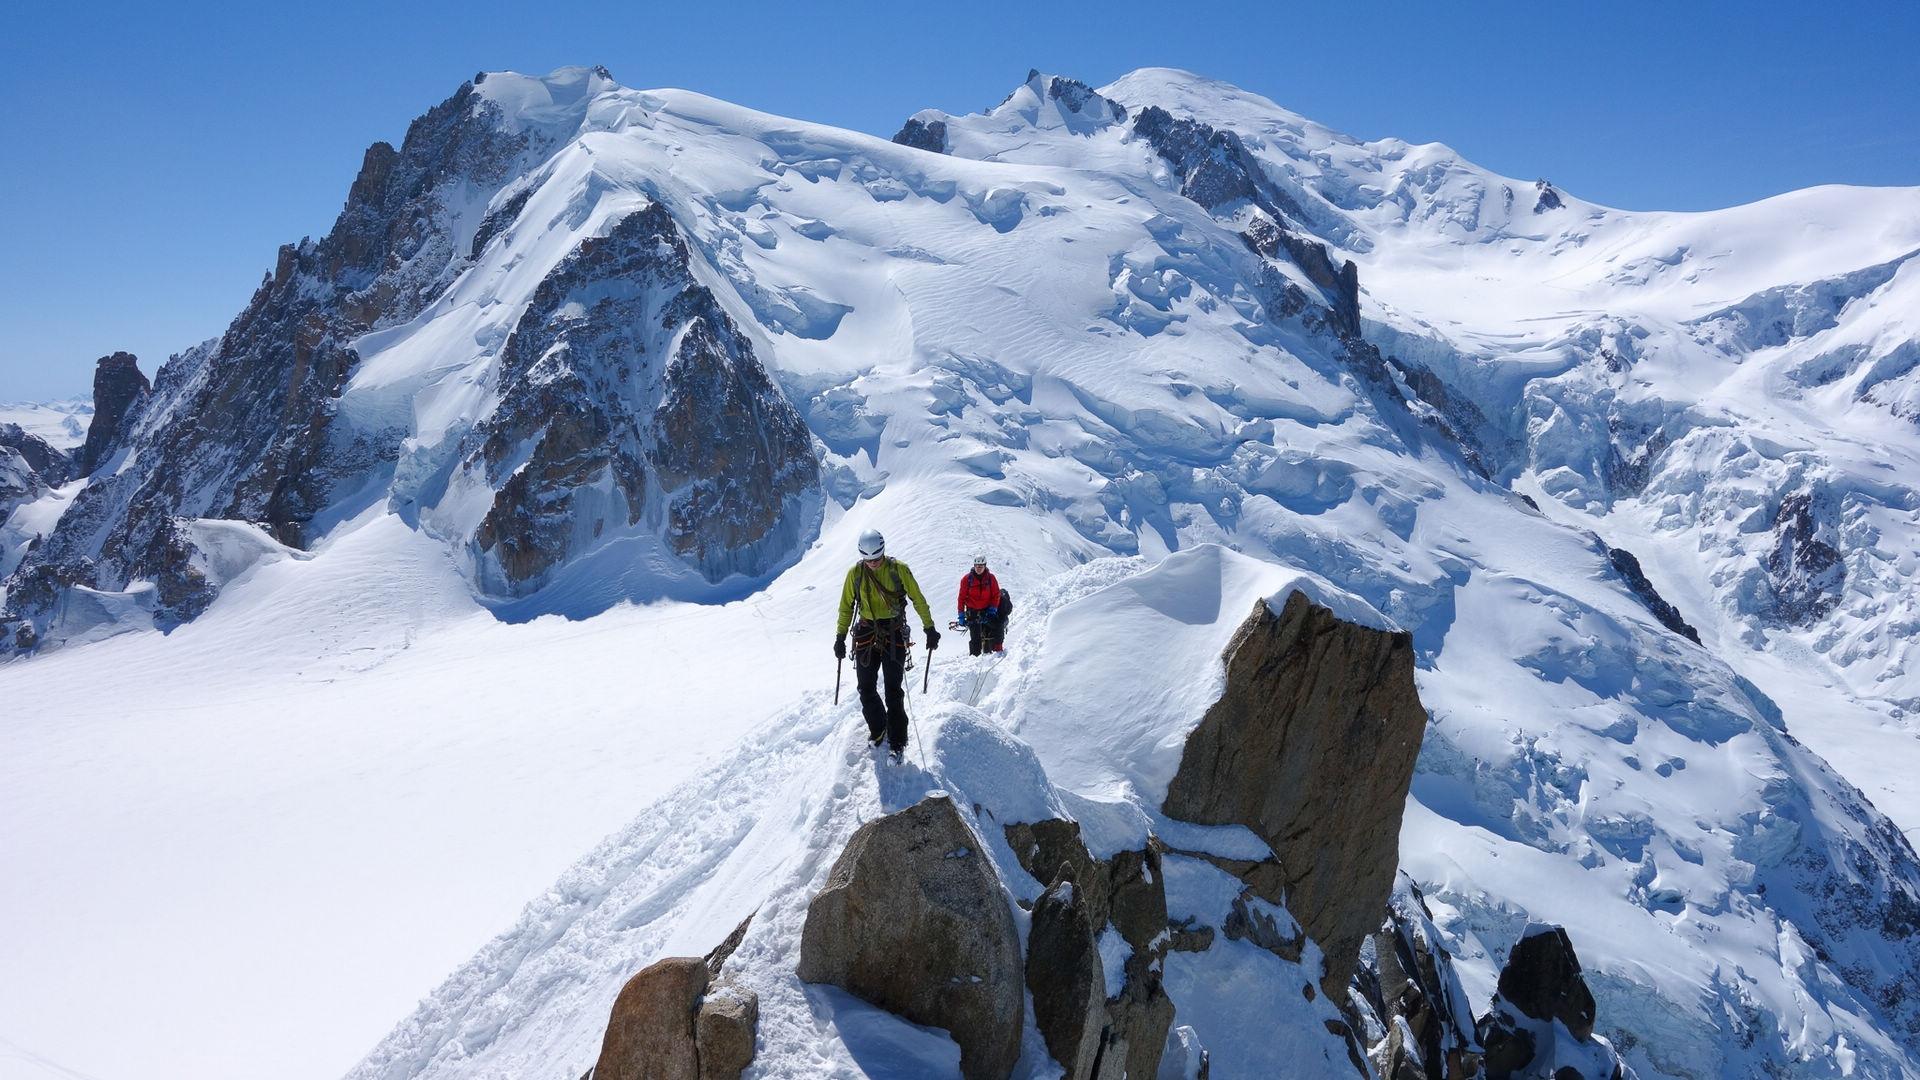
(1547, 198)
(1064, 975)
(724, 1031)
(651, 1034)
(913, 919)
(118, 387)
(929, 135)
(1312, 746)
(1540, 1023)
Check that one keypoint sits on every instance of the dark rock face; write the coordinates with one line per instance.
(1542, 979)
(1628, 567)
(1064, 975)
(1804, 568)
(1217, 170)
(1312, 747)
(914, 920)
(651, 1034)
(118, 386)
(243, 427)
(1341, 285)
(1406, 980)
(625, 376)
(1077, 97)
(51, 464)
(928, 135)
(1542, 994)
(1548, 198)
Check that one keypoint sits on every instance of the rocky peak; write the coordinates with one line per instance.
(1547, 198)
(118, 386)
(242, 428)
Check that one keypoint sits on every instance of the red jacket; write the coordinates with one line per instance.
(979, 591)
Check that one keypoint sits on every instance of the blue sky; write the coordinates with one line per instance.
(152, 157)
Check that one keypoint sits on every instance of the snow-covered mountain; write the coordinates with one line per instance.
(1636, 483)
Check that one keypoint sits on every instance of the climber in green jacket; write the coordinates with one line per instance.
(874, 603)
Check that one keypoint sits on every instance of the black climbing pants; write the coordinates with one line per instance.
(887, 656)
(984, 632)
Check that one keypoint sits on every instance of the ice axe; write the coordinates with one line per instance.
(839, 664)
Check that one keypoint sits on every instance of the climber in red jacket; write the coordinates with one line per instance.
(983, 608)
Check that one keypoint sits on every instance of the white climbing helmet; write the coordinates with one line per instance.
(980, 560)
(872, 544)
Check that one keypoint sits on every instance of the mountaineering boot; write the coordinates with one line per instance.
(896, 755)
(876, 738)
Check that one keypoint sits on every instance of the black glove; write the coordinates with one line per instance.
(839, 648)
(933, 639)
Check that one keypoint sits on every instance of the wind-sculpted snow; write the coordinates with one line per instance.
(1038, 344)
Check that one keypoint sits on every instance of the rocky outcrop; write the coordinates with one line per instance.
(1803, 567)
(1628, 568)
(630, 401)
(1540, 1023)
(913, 919)
(1312, 746)
(1341, 285)
(118, 387)
(674, 1021)
(929, 135)
(1546, 198)
(1417, 1018)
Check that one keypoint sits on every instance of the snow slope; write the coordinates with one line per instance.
(349, 770)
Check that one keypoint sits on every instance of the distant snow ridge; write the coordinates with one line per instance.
(599, 344)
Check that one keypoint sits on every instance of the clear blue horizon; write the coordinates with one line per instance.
(157, 157)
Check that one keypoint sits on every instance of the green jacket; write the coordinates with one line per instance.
(871, 589)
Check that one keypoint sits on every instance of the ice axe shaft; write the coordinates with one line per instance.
(926, 674)
(839, 664)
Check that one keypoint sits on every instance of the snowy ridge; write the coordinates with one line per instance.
(1036, 345)
(756, 838)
